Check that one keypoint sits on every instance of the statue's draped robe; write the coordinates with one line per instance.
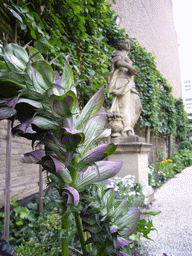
(126, 101)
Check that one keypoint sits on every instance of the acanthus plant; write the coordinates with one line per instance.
(45, 105)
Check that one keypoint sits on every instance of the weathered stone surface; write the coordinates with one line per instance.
(126, 105)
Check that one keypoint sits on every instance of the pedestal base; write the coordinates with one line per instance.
(135, 162)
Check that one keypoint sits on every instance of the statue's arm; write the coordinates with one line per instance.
(122, 63)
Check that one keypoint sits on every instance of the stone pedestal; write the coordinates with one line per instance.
(133, 151)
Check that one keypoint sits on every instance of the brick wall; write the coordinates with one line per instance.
(151, 22)
(24, 177)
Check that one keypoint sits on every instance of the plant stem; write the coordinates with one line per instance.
(80, 233)
(64, 226)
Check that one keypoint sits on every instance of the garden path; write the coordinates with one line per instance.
(174, 224)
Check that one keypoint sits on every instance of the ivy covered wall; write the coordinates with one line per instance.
(85, 33)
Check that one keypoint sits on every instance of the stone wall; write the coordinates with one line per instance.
(151, 22)
(24, 177)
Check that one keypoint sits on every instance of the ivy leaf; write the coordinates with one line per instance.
(42, 45)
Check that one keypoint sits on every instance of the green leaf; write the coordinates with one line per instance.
(6, 113)
(107, 169)
(17, 55)
(122, 209)
(130, 219)
(23, 212)
(16, 15)
(43, 74)
(91, 109)
(42, 45)
(32, 51)
(19, 222)
(62, 106)
(33, 34)
(33, 103)
(9, 89)
(93, 128)
(45, 123)
(150, 213)
(67, 77)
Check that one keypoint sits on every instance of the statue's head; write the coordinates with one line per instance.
(124, 44)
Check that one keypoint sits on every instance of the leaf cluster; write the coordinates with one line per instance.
(85, 31)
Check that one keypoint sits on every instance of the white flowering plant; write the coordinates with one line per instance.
(128, 188)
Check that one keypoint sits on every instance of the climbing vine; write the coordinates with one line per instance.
(85, 33)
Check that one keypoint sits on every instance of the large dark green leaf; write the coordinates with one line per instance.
(9, 89)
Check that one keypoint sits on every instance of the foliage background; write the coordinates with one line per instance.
(85, 33)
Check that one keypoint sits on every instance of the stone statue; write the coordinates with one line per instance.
(126, 105)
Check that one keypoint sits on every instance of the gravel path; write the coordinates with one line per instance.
(174, 224)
